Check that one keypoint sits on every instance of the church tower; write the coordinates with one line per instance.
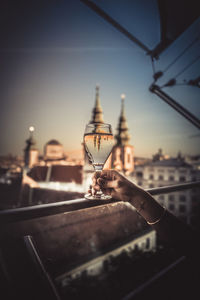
(97, 112)
(97, 117)
(122, 153)
(30, 152)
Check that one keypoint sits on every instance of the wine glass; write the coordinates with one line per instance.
(98, 142)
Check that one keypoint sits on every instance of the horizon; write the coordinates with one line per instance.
(77, 153)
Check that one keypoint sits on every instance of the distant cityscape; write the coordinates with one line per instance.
(69, 174)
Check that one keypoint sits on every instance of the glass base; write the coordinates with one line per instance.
(97, 197)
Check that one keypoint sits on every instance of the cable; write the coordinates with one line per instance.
(160, 73)
(181, 54)
(153, 65)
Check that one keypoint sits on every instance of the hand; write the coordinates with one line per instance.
(113, 183)
(120, 188)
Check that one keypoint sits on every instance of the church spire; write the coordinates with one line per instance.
(30, 152)
(30, 142)
(122, 136)
(97, 113)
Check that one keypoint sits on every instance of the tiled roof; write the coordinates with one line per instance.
(58, 173)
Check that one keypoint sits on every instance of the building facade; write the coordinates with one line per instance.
(164, 172)
(53, 151)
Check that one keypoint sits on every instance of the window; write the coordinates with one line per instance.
(182, 178)
(182, 171)
(171, 198)
(140, 183)
(171, 207)
(182, 208)
(151, 176)
(182, 198)
(129, 158)
(147, 243)
(160, 177)
(161, 170)
(171, 178)
(139, 174)
(151, 185)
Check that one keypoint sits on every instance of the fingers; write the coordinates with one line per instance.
(109, 174)
(107, 179)
(108, 184)
(94, 189)
(97, 175)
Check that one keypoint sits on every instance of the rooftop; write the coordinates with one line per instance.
(53, 142)
(172, 162)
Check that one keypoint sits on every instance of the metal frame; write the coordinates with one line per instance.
(49, 287)
(115, 24)
(179, 108)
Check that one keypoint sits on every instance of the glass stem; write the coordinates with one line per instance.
(98, 169)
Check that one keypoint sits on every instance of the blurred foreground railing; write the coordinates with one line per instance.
(36, 211)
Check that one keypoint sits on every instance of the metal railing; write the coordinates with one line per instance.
(25, 213)
(36, 211)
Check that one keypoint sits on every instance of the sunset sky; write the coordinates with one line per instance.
(52, 57)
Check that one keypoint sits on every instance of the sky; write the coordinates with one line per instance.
(54, 53)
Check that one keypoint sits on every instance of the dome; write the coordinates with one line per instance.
(53, 142)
